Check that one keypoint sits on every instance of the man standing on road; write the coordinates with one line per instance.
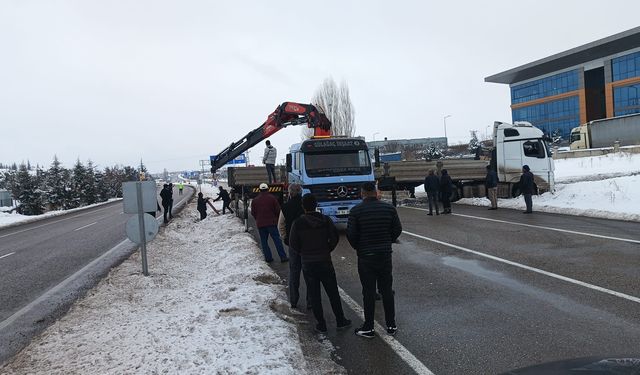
(226, 199)
(170, 200)
(290, 212)
(266, 210)
(180, 187)
(269, 160)
(372, 227)
(166, 201)
(431, 187)
(315, 236)
(526, 188)
(446, 188)
(492, 187)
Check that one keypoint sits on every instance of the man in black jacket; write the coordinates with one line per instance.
(526, 188)
(166, 196)
(372, 227)
(226, 199)
(491, 184)
(289, 213)
(314, 236)
(432, 187)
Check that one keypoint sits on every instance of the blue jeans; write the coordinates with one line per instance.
(272, 231)
(271, 172)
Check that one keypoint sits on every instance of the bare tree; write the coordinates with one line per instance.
(335, 102)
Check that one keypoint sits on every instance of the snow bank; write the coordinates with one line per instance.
(597, 167)
(614, 198)
(7, 219)
(211, 305)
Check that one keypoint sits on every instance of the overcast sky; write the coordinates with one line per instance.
(172, 82)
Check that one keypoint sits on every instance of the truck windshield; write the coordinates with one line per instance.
(339, 163)
(575, 136)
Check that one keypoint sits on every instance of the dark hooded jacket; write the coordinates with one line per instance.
(291, 211)
(314, 236)
(373, 226)
(526, 183)
(224, 195)
(431, 184)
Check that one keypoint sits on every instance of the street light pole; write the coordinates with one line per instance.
(374, 136)
(445, 124)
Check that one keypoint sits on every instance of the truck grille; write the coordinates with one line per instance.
(335, 192)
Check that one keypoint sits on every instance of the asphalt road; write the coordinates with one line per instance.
(486, 292)
(36, 257)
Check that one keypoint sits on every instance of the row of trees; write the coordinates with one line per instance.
(59, 188)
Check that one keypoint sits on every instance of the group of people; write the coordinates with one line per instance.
(203, 201)
(438, 189)
(441, 188)
(372, 227)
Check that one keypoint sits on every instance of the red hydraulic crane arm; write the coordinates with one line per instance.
(286, 114)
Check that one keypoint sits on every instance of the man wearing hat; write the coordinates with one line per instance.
(265, 209)
(526, 188)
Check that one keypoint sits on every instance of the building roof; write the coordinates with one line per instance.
(608, 46)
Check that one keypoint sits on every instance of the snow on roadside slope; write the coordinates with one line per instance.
(210, 305)
(587, 168)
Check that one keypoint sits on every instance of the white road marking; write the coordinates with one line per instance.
(5, 323)
(53, 222)
(85, 226)
(6, 255)
(540, 227)
(529, 268)
(402, 352)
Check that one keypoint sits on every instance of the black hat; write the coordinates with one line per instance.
(525, 167)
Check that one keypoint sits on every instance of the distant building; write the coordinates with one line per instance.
(410, 149)
(591, 82)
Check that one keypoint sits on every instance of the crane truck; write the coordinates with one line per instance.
(332, 168)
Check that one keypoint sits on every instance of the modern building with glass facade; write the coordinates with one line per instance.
(591, 82)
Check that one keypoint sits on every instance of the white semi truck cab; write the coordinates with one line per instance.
(521, 144)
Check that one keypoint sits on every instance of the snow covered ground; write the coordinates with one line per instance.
(7, 218)
(210, 306)
(605, 186)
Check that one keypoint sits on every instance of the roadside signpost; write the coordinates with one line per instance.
(140, 197)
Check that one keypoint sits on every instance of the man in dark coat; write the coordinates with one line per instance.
(432, 187)
(226, 199)
(492, 187)
(446, 188)
(265, 209)
(526, 186)
(165, 195)
(290, 212)
(372, 227)
(315, 236)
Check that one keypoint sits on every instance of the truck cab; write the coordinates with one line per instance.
(579, 138)
(519, 144)
(333, 169)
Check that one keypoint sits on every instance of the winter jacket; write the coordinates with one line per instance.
(431, 184)
(446, 185)
(265, 209)
(492, 179)
(314, 236)
(224, 195)
(166, 196)
(270, 154)
(526, 183)
(202, 204)
(291, 211)
(372, 227)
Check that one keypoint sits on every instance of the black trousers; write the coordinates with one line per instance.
(433, 201)
(377, 269)
(225, 205)
(203, 214)
(529, 202)
(317, 273)
(165, 212)
(445, 198)
(271, 172)
(295, 268)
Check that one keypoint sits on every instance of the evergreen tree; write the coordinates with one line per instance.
(89, 195)
(78, 180)
(474, 144)
(30, 195)
(68, 194)
(102, 191)
(14, 167)
(433, 152)
(56, 185)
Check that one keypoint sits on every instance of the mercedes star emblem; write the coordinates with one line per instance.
(342, 191)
